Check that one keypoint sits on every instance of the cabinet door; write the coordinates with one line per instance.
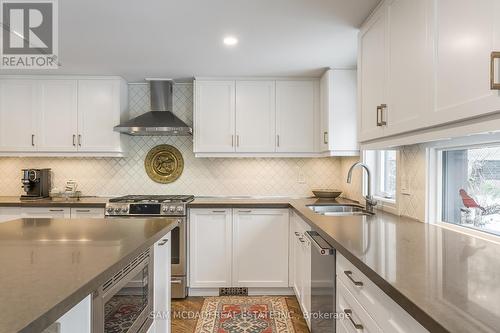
(84, 213)
(44, 212)
(255, 116)
(162, 294)
(260, 248)
(210, 248)
(306, 278)
(58, 110)
(78, 319)
(18, 115)
(371, 73)
(466, 34)
(10, 213)
(409, 83)
(297, 117)
(98, 112)
(214, 116)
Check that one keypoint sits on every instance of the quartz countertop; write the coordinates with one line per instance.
(88, 202)
(448, 281)
(49, 265)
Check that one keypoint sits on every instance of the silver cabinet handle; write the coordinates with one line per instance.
(319, 243)
(74, 140)
(218, 211)
(494, 85)
(379, 111)
(277, 140)
(349, 276)
(175, 281)
(325, 138)
(83, 210)
(357, 326)
(301, 239)
(163, 242)
(383, 118)
(56, 210)
(237, 140)
(33, 140)
(232, 140)
(245, 211)
(296, 234)
(79, 140)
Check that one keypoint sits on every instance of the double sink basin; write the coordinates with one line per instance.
(339, 210)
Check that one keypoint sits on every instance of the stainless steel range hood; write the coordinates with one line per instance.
(160, 120)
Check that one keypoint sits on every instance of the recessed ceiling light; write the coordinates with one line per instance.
(230, 40)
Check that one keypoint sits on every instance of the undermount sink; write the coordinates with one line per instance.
(338, 210)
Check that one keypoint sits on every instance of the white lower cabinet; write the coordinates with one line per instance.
(238, 248)
(370, 306)
(76, 320)
(162, 291)
(301, 258)
(46, 212)
(10, 213)
(260, 247)
(210, 248)
(86, 213)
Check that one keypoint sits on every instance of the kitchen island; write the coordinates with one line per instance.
(50, 265)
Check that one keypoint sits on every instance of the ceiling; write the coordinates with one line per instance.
(181, 39)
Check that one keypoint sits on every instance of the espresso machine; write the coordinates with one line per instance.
(36, 184)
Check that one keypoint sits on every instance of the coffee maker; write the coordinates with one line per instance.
(36, 184)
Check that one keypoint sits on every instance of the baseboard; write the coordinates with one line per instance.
(251, 291)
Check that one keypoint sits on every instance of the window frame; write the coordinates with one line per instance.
(434, 195)
(372, 159)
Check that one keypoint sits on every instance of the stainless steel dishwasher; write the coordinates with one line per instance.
(322, 284)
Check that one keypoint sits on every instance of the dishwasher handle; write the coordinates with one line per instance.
(319, 243)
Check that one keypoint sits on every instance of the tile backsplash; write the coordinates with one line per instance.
(201, 176)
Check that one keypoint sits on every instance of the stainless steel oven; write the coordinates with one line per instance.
(124, 302)
(171, 206)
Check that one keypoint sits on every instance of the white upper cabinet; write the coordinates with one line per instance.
(409, 65)
(61, 115)
(18, 110)
(99, 110)
(214, 116)
(467, 32)
(297, 117)
(260, 247)
(58, 115)
(371, 73)
(338, 113)
(255, 116)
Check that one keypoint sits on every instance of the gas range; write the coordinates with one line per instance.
(148, 205)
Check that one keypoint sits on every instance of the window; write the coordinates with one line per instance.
(471, 188)
(384, 167)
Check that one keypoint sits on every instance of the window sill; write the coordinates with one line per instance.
(469, 231)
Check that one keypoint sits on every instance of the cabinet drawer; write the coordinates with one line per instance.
(360, 320)
(46, 212)
(388, 315)
(77, 213)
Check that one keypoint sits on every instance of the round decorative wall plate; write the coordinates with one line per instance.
(164, 164)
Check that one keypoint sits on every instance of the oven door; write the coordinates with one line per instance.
(124, 302)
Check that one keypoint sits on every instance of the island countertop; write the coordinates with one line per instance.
(447, 280)
(49, 265)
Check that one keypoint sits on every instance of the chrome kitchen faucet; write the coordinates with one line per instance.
(370, 202)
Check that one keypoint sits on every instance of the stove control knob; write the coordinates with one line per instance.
(172, 209)
(165, 209)
(124, 209)
(117, 210)
(110, 210)
(180, 209)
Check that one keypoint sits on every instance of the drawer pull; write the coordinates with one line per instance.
(163, 242)
(56, 210)
(297, 234)
(83, 210)
(301, 239)
(218, 211)
(348, 313)
(244, 211)
(349, 276)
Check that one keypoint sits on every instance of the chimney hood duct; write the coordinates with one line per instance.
(159, 121)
